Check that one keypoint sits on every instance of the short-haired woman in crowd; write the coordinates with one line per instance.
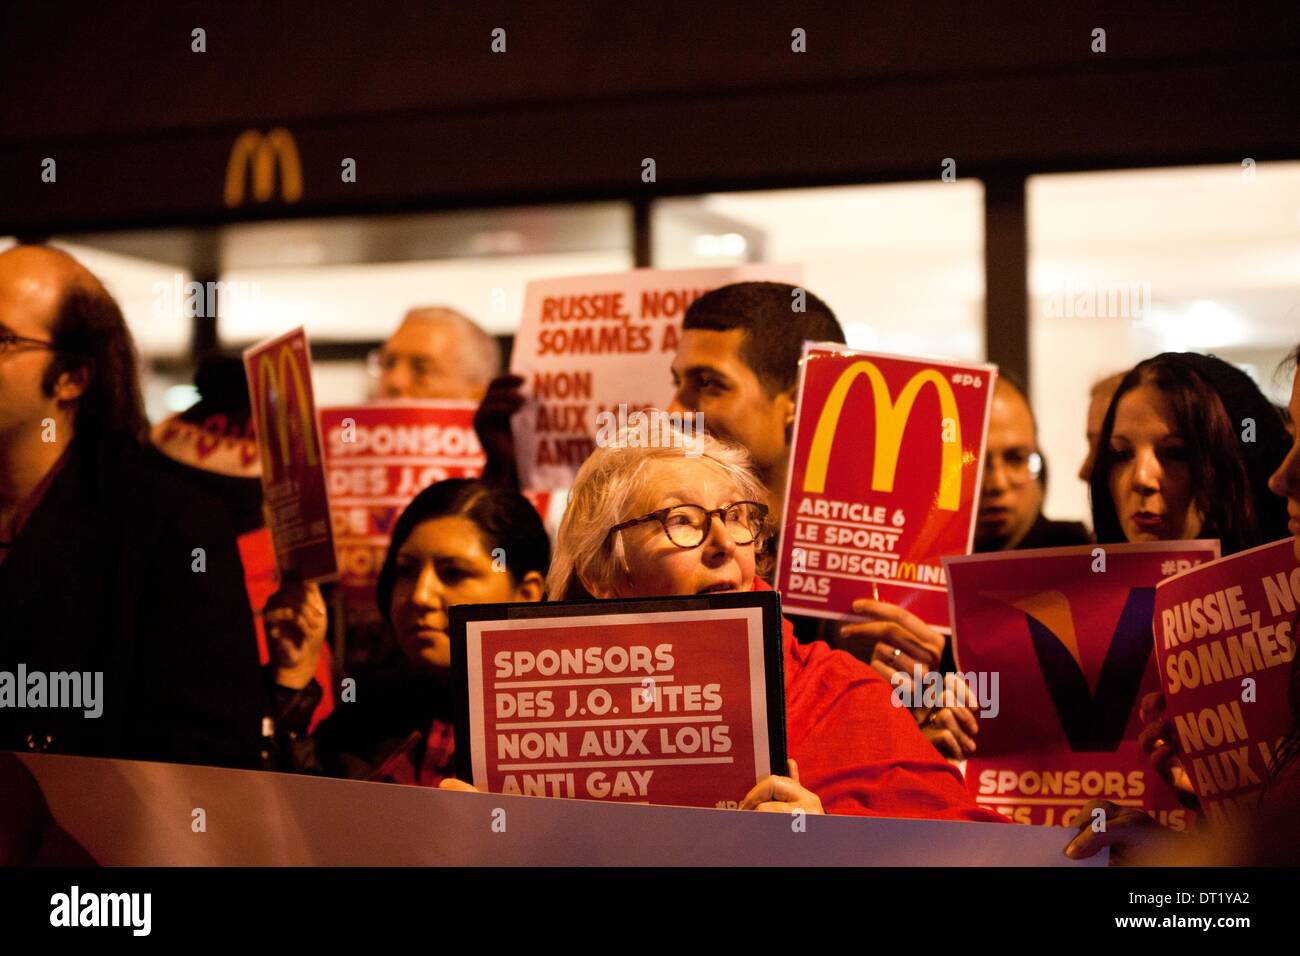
(1174, 463)
(851, 750)
(458, 542)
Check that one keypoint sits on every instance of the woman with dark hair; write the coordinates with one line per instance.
(1185, 452)
(1246, 517)
(458, 542)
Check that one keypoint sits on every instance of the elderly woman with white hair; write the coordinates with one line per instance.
(690, 519)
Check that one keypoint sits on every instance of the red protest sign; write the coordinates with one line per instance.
(884, 479)
(293, 473)
(665, 701)
(1062, 638)
(1225, 637)
(377, 458)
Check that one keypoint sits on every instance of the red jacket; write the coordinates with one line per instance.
(858, 752)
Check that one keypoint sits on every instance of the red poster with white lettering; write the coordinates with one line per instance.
(593, 350)
(377, 458)
(1225, 638)
(884, 480)
(666, 701)
(293, 468)
(1057, 645)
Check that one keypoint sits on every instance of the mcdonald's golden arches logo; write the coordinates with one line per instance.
(891, 420)
(273, 373)
(263, 154)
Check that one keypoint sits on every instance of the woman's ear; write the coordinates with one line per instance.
(621, 573)
(532, 588)
(595, 590)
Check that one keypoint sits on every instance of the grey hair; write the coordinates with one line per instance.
(480, 353)
(604, 493)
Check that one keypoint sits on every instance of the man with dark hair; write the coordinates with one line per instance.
(118, 583)
(738, 364)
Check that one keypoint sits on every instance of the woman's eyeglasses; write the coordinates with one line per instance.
(688, 525)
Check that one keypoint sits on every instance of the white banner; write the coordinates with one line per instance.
(129, 813)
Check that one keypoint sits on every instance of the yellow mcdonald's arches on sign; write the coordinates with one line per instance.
(272, 374)
(262, 153)
(891, 420)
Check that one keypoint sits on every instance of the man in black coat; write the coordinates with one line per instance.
(125, 629)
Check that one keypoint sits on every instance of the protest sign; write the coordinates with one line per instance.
(377, 458)
(293, 468)
(884, 480)
(1225, 637)
(666, 700)
(594, 350)
(1065, 635)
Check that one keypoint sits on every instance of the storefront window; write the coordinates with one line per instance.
(347, 280)
(901, 265)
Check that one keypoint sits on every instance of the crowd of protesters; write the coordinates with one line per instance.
(144, 555)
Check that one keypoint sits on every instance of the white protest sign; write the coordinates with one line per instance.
(588, 344)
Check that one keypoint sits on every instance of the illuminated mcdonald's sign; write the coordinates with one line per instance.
(262, 153)
(891, 420)
(272, 375)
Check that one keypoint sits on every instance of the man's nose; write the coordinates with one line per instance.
(395, 381)
(995, 477)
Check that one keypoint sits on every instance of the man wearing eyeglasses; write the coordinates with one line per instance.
(436, 353)
(115, 577)
(1011, 498)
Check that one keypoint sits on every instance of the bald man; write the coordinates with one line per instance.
(437, 353)
(120, 586)
(1011, 497)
